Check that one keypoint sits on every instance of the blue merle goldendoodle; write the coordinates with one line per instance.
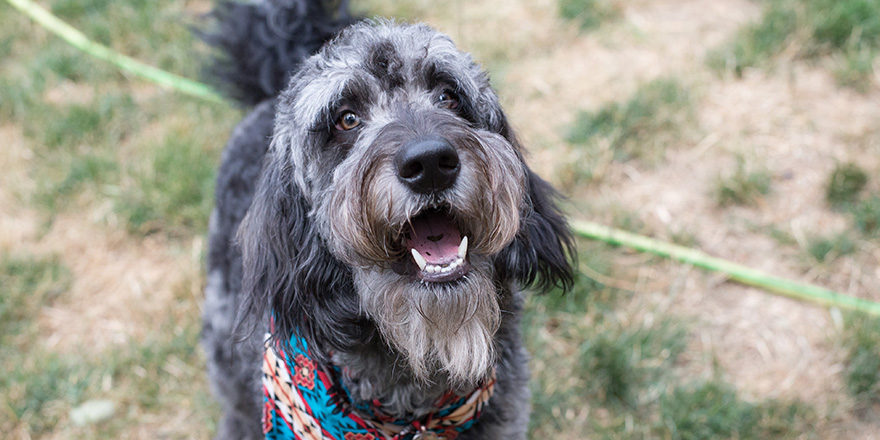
(375, 223)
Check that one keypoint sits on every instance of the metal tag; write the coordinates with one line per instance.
(427, 435)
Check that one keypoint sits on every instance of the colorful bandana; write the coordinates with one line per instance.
(306, 401)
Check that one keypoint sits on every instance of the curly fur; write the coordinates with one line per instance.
(310, 219)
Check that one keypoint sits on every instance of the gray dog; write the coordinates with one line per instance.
(374, 225)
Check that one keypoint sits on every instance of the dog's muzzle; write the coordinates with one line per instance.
(439, 249)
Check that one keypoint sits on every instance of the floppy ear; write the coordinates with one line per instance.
(288, 273)
(543, 253)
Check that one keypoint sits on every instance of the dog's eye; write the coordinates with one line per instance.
(447, 100)
(348, 121)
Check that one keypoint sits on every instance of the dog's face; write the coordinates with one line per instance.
(406, 173)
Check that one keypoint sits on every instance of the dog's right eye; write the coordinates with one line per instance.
(348, 121)
(448, 100)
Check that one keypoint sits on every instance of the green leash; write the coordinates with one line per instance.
(736, 272)
(125, 63)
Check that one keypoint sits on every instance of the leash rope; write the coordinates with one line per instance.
(734, 271)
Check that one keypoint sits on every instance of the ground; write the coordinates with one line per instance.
(102, 257)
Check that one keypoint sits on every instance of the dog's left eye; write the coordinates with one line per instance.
(448, 100)
(348, 121)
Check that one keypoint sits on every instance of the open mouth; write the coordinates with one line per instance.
(438, 248)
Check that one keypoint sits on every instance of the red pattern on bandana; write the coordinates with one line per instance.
(304, 372)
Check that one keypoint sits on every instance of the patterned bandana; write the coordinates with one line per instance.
(305, 401)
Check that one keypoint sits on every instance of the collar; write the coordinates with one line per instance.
(304, 400)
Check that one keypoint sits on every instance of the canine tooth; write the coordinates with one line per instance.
(463, 247)
(420, 260)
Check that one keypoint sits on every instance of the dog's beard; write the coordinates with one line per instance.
(439, 327)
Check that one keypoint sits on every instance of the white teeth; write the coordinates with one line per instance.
(463, 248)
(420, 260)
(436, 268)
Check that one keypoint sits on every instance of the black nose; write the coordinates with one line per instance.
(427, 165)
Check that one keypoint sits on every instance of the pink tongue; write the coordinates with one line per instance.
(435, 237)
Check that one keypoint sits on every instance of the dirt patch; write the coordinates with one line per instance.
(121, 285)
(16, 221)
(69, 92)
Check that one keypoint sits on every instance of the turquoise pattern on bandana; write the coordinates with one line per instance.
(306, 402)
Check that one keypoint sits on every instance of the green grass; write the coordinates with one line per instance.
(822, 248)
(837, 23)
(758, 41)
(28, 284)
(590, 14)
(174, 191)
(866, 216)
(86, 169)
(62, 62)
(854, 67)
(68, 128)
(604, 369)
(713, 410)
(38, 388)
(743, 186)
(845, 184)
(15, 99)
(861, 338)
(587, 359)
(621, 366)
(782, 236)
(848, 30)
(117, 25)
(845, 192)
(658, 116)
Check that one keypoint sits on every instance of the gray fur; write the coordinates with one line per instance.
(332, 201)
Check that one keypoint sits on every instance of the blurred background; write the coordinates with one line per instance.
(747, 129)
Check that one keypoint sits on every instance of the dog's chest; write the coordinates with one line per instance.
(303, 399)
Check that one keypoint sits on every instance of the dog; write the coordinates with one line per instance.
(375, 227)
